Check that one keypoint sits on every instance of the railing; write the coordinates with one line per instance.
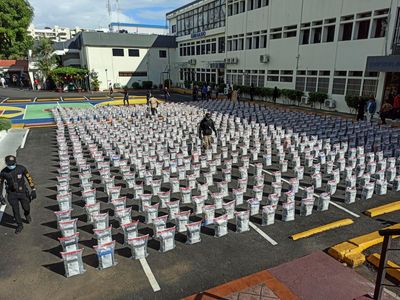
(387, 240)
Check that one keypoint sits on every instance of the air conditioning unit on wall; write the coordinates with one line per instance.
(192, 61)
(227, 60)
(330, 103)
(264, 58)
(305, 100)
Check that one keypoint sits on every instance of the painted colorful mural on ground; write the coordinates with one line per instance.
(37, 112)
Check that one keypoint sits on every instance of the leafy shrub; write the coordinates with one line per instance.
(352, 101)
(147, 84)
(135, 85)
(5, 124)
(316, 97)
(292, 95)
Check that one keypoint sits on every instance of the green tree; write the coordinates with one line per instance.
(15, 17)
(45, 58)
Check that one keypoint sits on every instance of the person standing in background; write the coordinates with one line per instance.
(361, 109)
(252, 92)
(386, 109)
(371, 108)
(126, 97)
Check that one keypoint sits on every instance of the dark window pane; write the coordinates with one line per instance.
(118, 52)
(133, 52)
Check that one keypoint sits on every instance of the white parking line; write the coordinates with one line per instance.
(263, 234)
(150, 275)
(315, 195)
(24, 139)
(2, 209)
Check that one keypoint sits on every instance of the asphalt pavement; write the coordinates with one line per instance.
(31, 266)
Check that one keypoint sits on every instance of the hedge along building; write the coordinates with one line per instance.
(307, 45)
(119, 58)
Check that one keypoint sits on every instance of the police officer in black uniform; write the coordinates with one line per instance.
(14, 176)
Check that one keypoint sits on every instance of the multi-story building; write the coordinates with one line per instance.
(121, 59)
(138, 28)
(337, 47)
(56, 34)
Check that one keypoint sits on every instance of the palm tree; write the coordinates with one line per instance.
(45, 58)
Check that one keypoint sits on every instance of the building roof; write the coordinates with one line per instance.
(184, 6)
(138, 25)
(14, 64)
(113, 39)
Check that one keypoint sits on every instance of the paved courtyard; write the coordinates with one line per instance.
(32, 259)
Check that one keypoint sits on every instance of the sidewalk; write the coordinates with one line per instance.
(10, 144)
(313, 277)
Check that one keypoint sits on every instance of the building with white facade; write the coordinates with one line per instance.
(119, 58)
(56, 34)
(338, 47)
(138, 28)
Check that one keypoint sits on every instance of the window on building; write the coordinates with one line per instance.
(347, 30)
(221, 45)
(329, 34)
(230, 10)
(241, 44)
(163, 53)
(300, 83)
(339, 86)
(379, 28)
(242, 6)
(229, 45)
(363, 29)
(317, 35)
(135, 52)
(249, 43)
(117, 52)
(263, 39)
(323, 84)
(273, 75)
(353, 87)
(311, 84)
(369, 87)
(173, 28)
(234, 45)
(305, 37)
(256, 42)
(250, 4)
(214, 48)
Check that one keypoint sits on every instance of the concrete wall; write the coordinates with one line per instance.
(100, 58)
(288, 54)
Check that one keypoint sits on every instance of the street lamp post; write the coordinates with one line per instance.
(106, 78)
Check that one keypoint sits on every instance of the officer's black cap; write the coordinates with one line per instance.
(11, 160)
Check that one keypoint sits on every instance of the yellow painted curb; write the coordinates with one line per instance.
(351, 251)
(322, 228)
(383, 209)
(17, 100)
(74, 99)
(393, 270)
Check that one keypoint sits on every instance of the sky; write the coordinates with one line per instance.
(93, 14)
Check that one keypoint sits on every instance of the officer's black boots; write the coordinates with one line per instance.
(19, 229)
(28, 219)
